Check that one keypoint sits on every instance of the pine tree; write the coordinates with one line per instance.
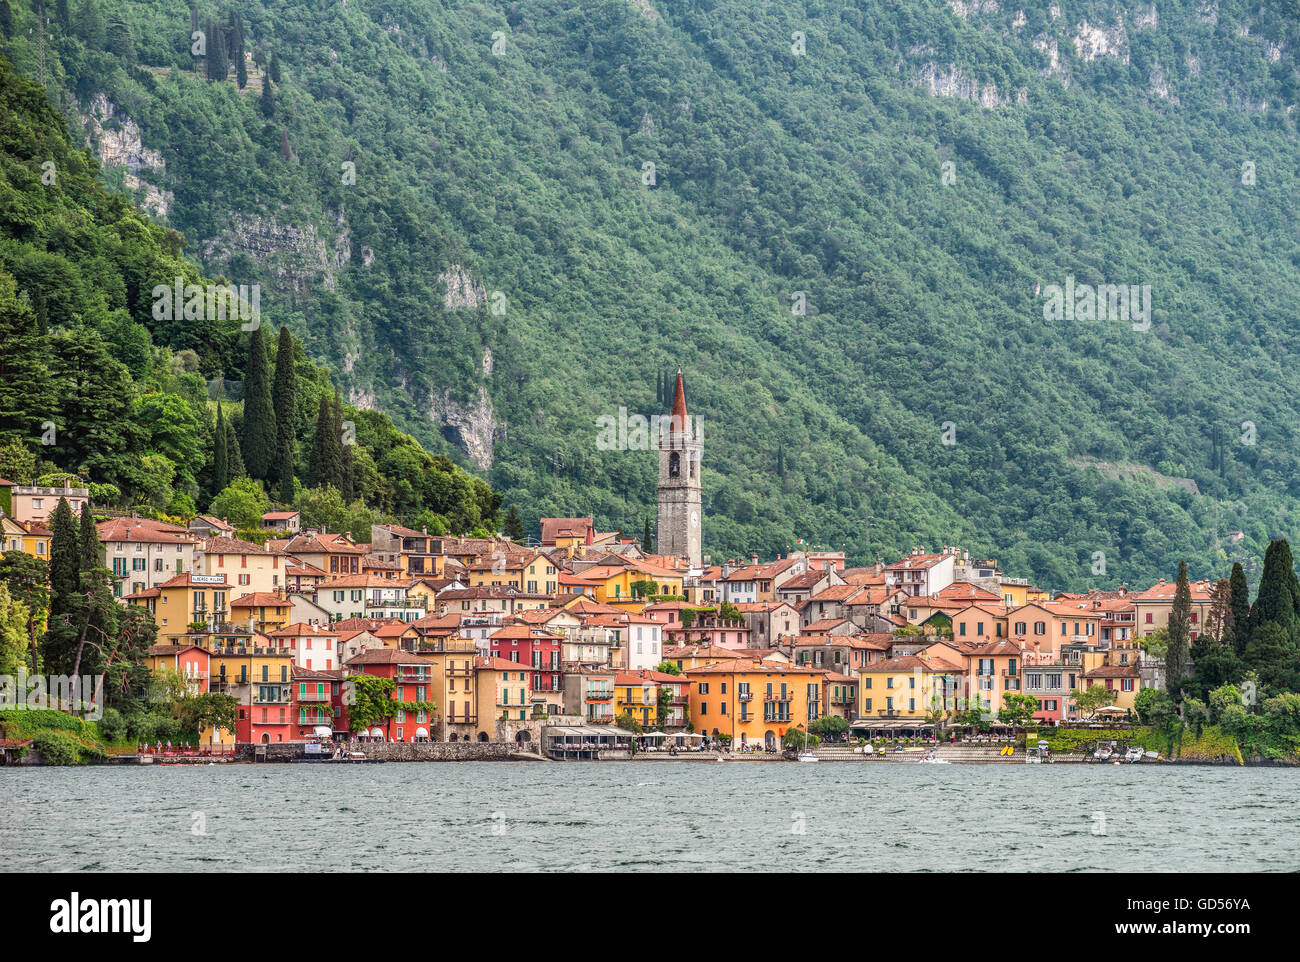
(26, 392)
(220, 455)
(88, 25)
(326, 466)
(1239, 608)
(1180, 627)
(257, 442)
(284, 398)
(119, 38)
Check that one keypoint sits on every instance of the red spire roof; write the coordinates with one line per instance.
(679, 402)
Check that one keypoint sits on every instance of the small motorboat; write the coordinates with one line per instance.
(1133, 755)
(930, 758)
(1103, 752)
(808, 757)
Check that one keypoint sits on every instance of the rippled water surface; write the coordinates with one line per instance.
(650, 815)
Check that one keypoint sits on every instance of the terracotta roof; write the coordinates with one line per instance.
(144, 530)
(220, 545)
(1164, 591)
(836, 593)
(498, 664)
(962, 591)
(300, 630)
(916, 561)
(746, 665)
(1113, 671)
(553, 528)
(389, 656)
(260, 599)
(910, 663)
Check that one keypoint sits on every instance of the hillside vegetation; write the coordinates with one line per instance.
(919, 174)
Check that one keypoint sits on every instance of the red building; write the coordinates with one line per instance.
(413, 682)
(537, 649)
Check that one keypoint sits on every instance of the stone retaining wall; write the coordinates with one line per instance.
(392, 752)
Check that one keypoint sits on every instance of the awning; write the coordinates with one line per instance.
(376, 733)
(421, 733)
(323, 731)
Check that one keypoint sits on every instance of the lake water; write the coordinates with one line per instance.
(661, 816)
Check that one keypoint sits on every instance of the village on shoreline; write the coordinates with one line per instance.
(282, 643)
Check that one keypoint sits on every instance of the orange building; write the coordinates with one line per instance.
(754, 702)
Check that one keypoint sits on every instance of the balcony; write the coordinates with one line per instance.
(459, 672)
(278, 696)
(462, 719)
(745, 696)
(414, 675)
(778, 699)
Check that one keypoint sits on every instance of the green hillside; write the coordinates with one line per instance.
(921, 172)
(93, 383)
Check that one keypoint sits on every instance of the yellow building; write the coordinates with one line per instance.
(452, 687)
(754, 702)
(248, 568)
(908, 686)
(503, 692)
(186, 599)
(614, 582)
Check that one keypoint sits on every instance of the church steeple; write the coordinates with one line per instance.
(679, 403)
(680, 501)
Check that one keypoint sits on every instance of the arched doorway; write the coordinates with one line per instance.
(523, 736)
(769, 740)
(452, 737)
(482, 736)
(266, 738)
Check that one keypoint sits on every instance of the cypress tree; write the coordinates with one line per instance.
(1279, 592)
(235, 460)
(345, 452)
(65, 584)
(284, 398)
(257, 441)
(646, 544)
(1180, 628)
(89, 558)
(285, 492)
(267, 100)
(275, 68)
(220, 455)
(7, 20)
(326, 466)
(513, 528)
(1239, 608)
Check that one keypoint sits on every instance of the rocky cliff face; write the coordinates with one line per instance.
(296, 257)
(115, 139)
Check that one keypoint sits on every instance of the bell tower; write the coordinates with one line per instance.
(680, 506)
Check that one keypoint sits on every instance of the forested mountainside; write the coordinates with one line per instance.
(94, 383)
(499, 222)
